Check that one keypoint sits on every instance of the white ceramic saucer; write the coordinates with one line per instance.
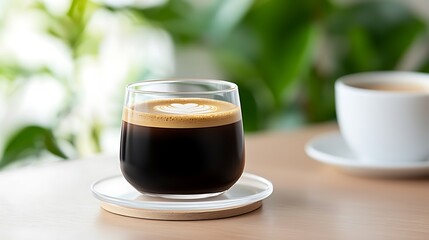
(331, 149)
(118, 196)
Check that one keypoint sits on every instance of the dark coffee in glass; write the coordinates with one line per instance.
(182, 146)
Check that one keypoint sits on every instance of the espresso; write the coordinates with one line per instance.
(393, 87)
(182, 146)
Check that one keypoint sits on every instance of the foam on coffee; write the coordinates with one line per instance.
(182, 113)
(393, 87)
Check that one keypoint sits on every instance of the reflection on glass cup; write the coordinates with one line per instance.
(182, 138)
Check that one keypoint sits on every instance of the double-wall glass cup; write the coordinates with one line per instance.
(182, 138)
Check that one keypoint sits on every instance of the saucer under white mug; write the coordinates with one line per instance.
(331, 149)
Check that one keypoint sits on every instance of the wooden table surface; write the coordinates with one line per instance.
(310, 201)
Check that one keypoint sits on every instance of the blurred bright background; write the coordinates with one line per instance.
(64, 64)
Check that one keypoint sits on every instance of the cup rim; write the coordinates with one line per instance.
(385, 77)
(230, 86)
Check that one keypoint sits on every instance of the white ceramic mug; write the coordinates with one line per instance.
(384, 116)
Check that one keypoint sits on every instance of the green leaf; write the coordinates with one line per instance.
(30, 141)
(13, 70)
(77, 10)
(256, 98)
(250, 111)
(52, 146)
(294, 61)
(362, 54)
(286, 33)
(178, 17)
(374, 35)
(188, 22)
(234, 63)
(319, 103)
(224, 17)
(400, 39)
(96, 130)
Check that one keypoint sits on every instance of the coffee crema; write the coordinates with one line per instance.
(182, 113)
(182, 146)
(393, 87)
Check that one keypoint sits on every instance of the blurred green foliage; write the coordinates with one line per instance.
(284, 55)
(30, 141)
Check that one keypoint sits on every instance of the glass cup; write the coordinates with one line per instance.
(182, 138)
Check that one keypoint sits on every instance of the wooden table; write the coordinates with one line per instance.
(310, 201)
